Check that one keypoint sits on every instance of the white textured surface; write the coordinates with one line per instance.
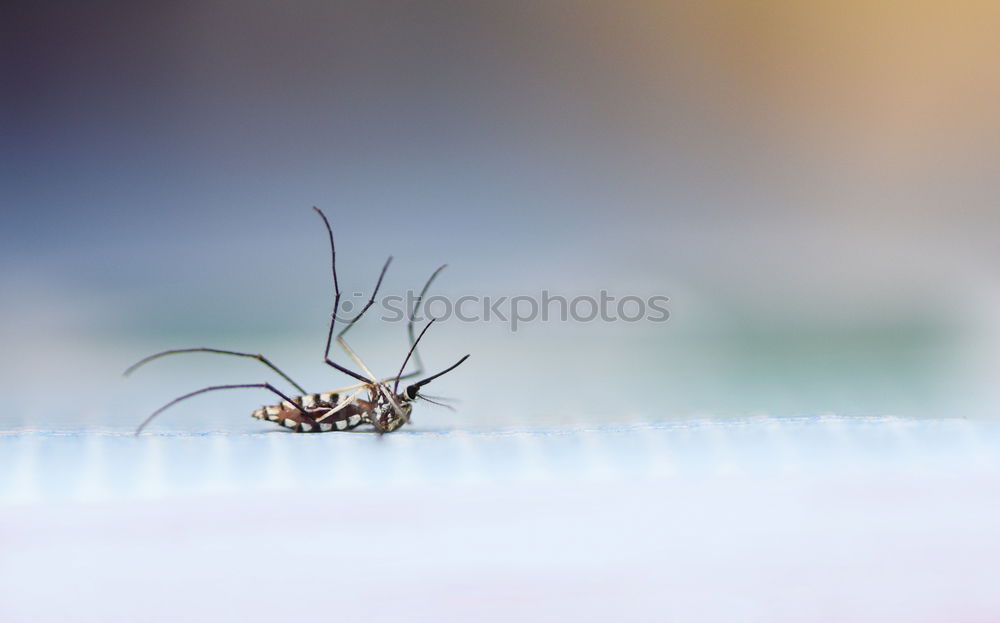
(760, 519)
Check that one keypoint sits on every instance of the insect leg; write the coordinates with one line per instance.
(213, 388)
(341, 390)
(423, 382)
(416, 355)
(413, 349)
(371, 301)
(336, 302)
(381, 387)
(347, 401)
(350, 353)
(409, 325)
(261, 358)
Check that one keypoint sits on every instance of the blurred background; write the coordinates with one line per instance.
(813, 185)
(811, 435)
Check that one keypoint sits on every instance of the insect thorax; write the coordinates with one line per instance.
(388, 415)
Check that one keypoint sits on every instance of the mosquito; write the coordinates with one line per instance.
(384, 407)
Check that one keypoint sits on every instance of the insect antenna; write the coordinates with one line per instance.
(213, 388)
(435, 402)
(441, 398)
(261, 358)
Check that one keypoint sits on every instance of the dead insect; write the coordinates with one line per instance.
(386, 408)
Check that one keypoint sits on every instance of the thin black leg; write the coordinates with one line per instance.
(413, 348)
(371, 301)
(409, 327)
(423, 382)
(336, 303)
(261, 358)
(213, 388)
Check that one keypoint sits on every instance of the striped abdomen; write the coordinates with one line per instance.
(317, 405)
